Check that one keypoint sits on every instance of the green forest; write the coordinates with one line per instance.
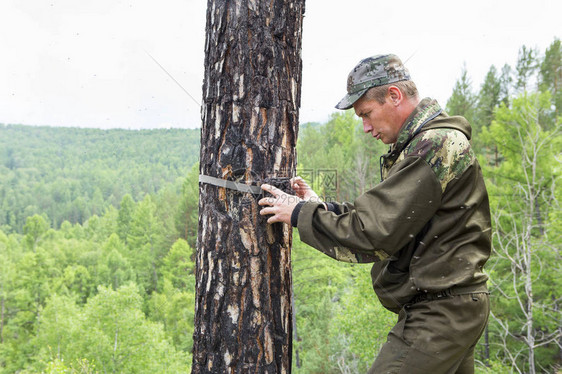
(70, 174)
(98, 231)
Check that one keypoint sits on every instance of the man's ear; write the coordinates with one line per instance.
(395, 95)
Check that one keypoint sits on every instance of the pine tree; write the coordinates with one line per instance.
(525, 68)
(250, 120)
(124, 218)
(506, 82)
(146, 245)
(488, 99)
(462, 101)
(551, 74)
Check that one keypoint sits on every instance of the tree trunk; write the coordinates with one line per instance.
(251, 96)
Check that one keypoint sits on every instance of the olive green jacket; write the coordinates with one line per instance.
(426, 226)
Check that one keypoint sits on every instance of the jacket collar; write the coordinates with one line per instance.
(424, 112)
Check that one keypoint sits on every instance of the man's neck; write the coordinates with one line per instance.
(407, 107)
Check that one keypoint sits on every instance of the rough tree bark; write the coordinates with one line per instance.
(251, 97)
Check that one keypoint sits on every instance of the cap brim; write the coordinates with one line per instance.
(349, 99)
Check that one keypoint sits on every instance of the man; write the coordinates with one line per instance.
(426, 226)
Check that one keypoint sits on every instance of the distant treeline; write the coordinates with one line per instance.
(72, 173)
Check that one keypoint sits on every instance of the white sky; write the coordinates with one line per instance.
(86, 63)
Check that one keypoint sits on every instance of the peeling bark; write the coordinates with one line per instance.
(251, 97)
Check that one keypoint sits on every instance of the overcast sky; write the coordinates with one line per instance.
(100, 63)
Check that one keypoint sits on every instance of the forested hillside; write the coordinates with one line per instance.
(71, 173)
(94, 262)
(98, 234)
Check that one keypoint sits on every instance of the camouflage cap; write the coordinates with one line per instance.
(372, 72)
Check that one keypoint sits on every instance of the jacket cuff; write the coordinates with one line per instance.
(295, 214)
(306, 214)
(333, 208)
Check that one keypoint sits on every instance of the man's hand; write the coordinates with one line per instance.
(280, 205)
(303, 190)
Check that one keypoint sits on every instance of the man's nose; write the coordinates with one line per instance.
(366, 126)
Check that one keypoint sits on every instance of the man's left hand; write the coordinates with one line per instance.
(280, 205)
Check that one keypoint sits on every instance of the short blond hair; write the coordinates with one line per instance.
(408, 89)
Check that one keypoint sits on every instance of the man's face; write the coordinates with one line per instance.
(380, 120)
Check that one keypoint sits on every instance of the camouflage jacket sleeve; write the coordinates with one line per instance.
(383, 220)
(389, 216)
(446, 151)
